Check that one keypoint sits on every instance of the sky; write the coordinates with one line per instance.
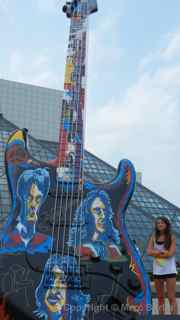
(133, 85)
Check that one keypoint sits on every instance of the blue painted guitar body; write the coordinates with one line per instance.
(79, 273)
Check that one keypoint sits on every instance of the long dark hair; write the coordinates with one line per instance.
(167, 232)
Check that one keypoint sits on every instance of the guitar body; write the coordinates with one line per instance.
(39, 266)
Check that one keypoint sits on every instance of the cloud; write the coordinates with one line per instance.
(4, 4)
(6, 11)
(168, 53)
(101, 52)
(173, 49)
(33, 69)
(144, 125)
(147, 104)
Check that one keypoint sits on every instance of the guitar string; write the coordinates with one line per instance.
(55, 204)
(66, 160)
(72, 193)
(80, 30)
(62, 122)
(79, 52)
(80, 178)
(82, 221)
(57, 186)
(72, 133)
(67, 191)
(81, 181)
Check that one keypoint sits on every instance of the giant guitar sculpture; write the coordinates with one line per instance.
(61, 246)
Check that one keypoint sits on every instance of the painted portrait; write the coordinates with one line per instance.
(58, 296)
(93, 231)
(20, 232)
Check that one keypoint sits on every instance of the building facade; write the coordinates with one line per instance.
(32, 107)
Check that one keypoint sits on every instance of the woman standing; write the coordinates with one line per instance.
(162, 246)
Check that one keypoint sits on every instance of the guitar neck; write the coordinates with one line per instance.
(71, 134)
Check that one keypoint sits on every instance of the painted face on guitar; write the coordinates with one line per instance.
(55, 297)
(28, 220)
(98, 211)
(32, 189)
(33, 203)
(20, 233)
(94, 222)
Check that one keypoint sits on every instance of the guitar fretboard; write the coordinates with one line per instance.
(71, 135)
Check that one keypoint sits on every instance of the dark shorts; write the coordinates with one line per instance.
(164, 276)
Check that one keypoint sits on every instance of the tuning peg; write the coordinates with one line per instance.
(68, 9)
(64, 8)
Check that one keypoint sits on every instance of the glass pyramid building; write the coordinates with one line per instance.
(144, 207)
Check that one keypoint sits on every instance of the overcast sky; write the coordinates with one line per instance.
(133, 108)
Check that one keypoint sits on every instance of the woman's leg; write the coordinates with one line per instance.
(159, 284)
(171, 293)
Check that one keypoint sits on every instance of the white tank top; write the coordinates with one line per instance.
(163, 266)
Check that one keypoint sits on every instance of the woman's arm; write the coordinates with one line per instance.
(150, 249)
(171, 251)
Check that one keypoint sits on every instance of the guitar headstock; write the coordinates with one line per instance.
(72, 6)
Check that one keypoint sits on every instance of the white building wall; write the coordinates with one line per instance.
(32, 107)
